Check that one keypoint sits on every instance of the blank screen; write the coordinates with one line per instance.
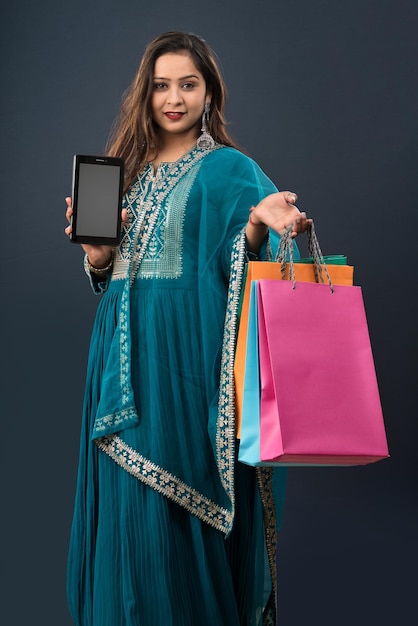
(98, 200)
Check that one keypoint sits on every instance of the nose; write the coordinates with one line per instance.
(174, 95)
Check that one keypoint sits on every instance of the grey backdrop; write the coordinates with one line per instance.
(324, 96)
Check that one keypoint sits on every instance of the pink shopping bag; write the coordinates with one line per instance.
(320, 401)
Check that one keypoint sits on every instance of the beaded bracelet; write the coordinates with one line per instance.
(100, 271)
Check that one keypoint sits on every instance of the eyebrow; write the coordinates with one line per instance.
(182, 78)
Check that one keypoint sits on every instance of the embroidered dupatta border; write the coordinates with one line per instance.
(165, 483)
(225, 431)
(264, 477)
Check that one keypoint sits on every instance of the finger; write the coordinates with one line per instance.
(69, 210)
(291, 197)
(301, 224)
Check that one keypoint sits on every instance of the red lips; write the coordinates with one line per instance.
(174, 115)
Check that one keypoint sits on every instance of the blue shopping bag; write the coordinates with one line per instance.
(249, 446)
(249, 449)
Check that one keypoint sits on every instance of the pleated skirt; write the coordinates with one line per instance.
(135, 557)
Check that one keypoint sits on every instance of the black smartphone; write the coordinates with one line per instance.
(97, 199)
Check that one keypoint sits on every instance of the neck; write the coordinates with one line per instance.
(172, 147)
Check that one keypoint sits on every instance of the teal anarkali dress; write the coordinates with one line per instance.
(168, 529)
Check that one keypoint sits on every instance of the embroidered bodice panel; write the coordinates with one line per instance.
(164, 193)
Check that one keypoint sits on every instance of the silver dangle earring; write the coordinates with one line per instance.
(205, 141)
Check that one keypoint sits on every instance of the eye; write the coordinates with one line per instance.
(159, 86)
(188, 86)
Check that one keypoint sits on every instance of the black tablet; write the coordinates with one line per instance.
(97, 199)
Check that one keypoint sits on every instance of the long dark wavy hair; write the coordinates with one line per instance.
(134, 135)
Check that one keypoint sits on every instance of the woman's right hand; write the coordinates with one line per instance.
(98, 256)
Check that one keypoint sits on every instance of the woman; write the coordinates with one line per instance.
(168, 528)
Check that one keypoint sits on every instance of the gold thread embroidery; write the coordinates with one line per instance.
(144, 226)
(143, 202)
(164, 255)
(165, 483)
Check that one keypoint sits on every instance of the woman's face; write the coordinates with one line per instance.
(179, 97)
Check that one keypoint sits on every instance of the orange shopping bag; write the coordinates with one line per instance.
(340, 274)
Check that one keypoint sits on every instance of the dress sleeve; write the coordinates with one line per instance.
(98, 284)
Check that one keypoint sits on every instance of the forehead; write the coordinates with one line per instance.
(175, 65)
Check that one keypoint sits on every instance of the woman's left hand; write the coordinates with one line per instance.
(278, 211)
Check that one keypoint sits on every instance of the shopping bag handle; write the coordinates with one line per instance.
(285, 256)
